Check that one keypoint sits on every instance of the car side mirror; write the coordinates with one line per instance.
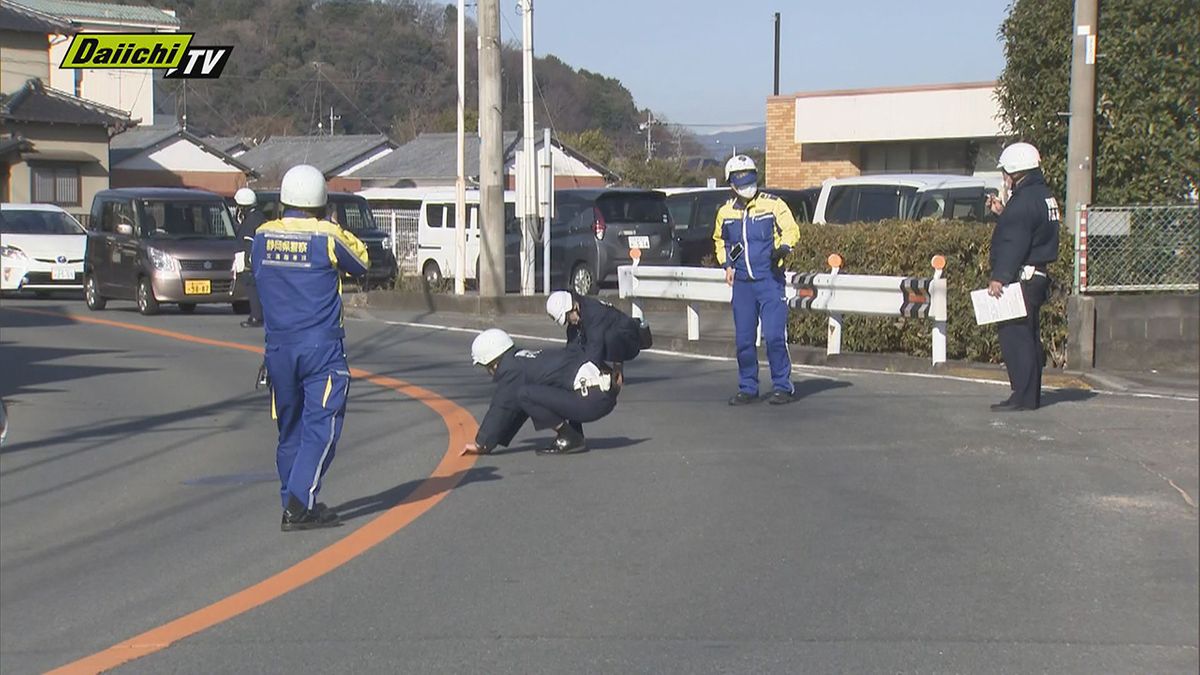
(125, 229)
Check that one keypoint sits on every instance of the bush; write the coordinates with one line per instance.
(904, 248)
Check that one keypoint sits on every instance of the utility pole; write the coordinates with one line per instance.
(491, 153)
(647, 127)
(529, 166)
(1081, 133)
(332, 118)
(776, 53)
(460, 181)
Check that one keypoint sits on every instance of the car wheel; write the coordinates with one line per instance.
(146, 302)
(432, 273)
(91, 295)
(583, 281)
(187, 307)
(241, 307)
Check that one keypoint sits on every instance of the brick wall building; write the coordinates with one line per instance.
(952, 128)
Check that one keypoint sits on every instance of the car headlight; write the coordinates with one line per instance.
(162, 261)
(12, 253)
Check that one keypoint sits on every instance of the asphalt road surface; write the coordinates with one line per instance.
(881, 523)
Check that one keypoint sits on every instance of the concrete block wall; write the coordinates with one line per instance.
(1135, 332)
(790, 165)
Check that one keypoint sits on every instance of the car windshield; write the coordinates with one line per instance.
(186, 220)
(352, 215)
(633, 208)
(38, 222)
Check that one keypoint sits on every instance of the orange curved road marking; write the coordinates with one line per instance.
(448, 474)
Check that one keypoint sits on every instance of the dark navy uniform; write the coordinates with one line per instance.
(298, 262)
(1026, 234)
(539, 385)
(245, 234)
(604, 333)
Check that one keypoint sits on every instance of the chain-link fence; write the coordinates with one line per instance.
(401, 224)
(1140, 248)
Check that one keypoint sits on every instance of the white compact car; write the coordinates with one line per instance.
(41, 248)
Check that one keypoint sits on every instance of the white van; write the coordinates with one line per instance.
(860, 199)
(436, 220)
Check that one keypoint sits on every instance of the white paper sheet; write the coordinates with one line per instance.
(1010, 305)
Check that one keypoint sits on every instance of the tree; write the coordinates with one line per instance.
(1147, 88)
(592, 143)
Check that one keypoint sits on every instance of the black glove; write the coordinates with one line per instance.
(779, 254)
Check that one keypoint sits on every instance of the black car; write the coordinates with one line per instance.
(353, 213)
(694, 214)
(593, 230)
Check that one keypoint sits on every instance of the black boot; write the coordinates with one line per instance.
(296, 517)
(569, 441)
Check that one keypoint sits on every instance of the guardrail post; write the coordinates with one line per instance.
(833, 342)
(635, 309)
(693, 322)
(938, 347)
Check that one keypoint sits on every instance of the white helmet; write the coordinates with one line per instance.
(558, 304)
(1019, 157)
(303, 186)
(489, 346)
(245, 197)
(738, 163)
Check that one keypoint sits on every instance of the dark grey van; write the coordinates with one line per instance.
(161, 245)
(593, 230)
(352, 212)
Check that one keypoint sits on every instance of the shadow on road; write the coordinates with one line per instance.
(609, 443)
(1066, 396)
(806, 388)
(382, 501)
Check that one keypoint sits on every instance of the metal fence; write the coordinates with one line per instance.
(1139, 248)
(401, 224)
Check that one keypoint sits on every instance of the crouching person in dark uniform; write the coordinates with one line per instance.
(1024, 244)
(297, 262)
(603, 332)
(559, 389)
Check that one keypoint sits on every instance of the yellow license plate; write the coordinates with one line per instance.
(197, 286)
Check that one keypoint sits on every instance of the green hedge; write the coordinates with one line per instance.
(904, 248)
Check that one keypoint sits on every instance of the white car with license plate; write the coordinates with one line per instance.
(41, 248)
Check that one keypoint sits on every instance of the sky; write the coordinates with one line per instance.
(711, 62)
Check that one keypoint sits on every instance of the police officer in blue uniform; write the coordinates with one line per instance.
(557, 388)
(754, 232)
(297, 262)
(1024, 244)
(604, 333)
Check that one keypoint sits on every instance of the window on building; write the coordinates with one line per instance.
(56, 184)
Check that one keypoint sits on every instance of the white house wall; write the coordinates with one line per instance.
(125, 89)
(968, 112)
(181, 156)
(564, 164)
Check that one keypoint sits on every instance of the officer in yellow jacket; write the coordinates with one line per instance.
(754, 232)
(297, 262)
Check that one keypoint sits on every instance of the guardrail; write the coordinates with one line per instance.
(831, 292)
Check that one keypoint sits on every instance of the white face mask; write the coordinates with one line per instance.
(747, 192)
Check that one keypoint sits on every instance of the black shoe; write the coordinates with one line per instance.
(569, 441)
(781, 397)
(1009, 406)
(743, 398)
(296, 517)
(251, 323)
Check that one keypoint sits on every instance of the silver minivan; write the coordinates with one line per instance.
(161, 245)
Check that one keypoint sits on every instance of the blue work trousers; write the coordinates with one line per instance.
(310, 382)
(752, 300)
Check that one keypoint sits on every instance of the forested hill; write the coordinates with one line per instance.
(383, 66)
